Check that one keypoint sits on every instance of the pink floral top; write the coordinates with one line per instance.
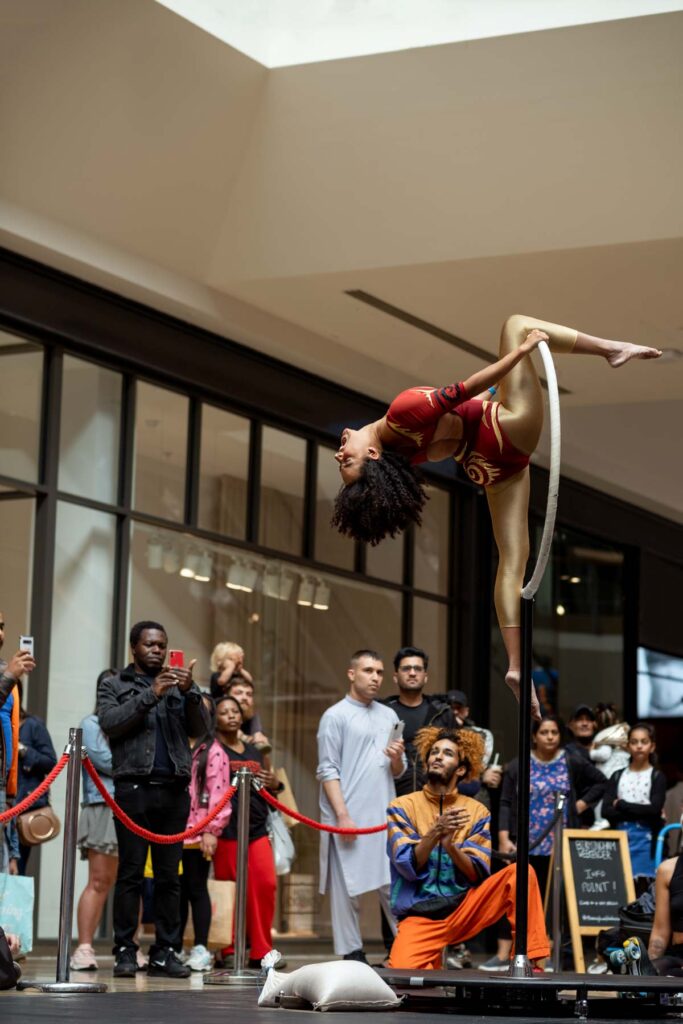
(216, 782)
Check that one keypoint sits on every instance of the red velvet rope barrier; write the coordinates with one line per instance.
(37, 792)
(270, 799)
(190, 833)
(152, 837)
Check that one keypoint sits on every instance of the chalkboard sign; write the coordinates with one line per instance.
(597, 880)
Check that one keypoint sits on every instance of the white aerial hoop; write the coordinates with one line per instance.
(529, 591)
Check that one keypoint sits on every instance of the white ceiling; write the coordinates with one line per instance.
(536, 172)
(278, 33)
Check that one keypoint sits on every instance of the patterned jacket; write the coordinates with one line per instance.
(439, 884)
(216, 781)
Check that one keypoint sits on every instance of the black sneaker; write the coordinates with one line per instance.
(125, 963)
(356, 954)
(167, 964)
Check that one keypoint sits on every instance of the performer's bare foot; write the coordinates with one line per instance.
(512, 680)
(623, 351)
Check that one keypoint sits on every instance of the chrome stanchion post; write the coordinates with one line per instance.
(244, 777)
(521, 966)
(66, 902)
(240, 975)
(560, 801)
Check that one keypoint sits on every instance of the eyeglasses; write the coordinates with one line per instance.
(412, 668)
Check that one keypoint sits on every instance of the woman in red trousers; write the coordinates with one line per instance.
(261, 882)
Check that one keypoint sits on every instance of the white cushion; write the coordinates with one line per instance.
(334, 985)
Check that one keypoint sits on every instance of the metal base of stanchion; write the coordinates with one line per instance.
(520, 967)
(63, 986)
(245, 978)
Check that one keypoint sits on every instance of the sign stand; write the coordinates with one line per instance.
(597, 881)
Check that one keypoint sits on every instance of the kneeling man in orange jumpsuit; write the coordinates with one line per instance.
(439, 845)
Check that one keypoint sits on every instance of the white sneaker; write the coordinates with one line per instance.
(83, 959)
(200, 959)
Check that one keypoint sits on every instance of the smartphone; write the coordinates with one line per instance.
(176, 659)
(396, 732)
(26, 644)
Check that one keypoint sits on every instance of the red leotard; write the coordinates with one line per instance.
(414, 414)
(484, 451)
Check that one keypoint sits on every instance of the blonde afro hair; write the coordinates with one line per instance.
(470, 746)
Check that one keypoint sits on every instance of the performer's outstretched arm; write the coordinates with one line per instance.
(490, 375)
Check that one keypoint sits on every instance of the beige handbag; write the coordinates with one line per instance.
(38, 826)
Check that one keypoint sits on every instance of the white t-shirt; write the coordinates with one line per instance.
(635, 787)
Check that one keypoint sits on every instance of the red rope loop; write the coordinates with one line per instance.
(24, 805)
(191, 833)
(153, 837)
(270, 799)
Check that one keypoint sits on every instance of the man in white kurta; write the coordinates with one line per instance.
(358, 761)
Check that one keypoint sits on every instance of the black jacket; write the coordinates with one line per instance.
(37, 760)
(436, 712)
(647, 814)
(129, 714)
(586, 783)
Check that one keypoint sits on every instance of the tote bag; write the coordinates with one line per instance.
(222, 896)
(16, 908)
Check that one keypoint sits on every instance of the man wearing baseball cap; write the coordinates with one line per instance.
(583, 726)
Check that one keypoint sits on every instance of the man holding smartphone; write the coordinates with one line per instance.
(149, 711)
(416, 709)
(359, 756)
(10, 673)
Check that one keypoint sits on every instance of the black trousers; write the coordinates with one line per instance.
(194, 892)
(163, 809)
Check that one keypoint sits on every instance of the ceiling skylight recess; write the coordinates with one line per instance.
(278, 33)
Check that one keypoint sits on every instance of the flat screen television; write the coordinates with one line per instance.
(660, 684)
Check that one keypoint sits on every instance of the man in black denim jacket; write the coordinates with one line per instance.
(149, 712)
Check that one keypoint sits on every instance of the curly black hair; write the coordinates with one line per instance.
(386, 498)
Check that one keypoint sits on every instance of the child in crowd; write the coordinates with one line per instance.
(229, 676)
(634, 800)
(210, 780)
(608, 752)
(227, 658)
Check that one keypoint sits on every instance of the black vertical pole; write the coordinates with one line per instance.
(521, 966)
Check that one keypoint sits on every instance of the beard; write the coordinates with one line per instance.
(441, 776)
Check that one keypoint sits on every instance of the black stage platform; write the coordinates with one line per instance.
(429, 994)
(547, 995)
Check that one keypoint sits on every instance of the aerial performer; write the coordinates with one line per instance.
(492, 438)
